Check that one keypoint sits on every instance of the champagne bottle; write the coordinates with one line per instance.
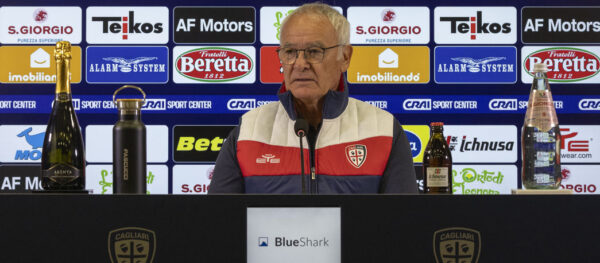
(437, 163)
(63, 162)
(540, 137)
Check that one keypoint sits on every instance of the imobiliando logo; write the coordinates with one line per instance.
(35, 64)
(389, 64)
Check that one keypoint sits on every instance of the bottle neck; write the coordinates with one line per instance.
(129, 115)
(63, 84)
(540, 81)
(437, 130)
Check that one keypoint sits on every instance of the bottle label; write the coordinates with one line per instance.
(541, 178)
(62, 174)
(543, 114)
(437, 176)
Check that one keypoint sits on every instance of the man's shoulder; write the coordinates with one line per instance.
(270, 107)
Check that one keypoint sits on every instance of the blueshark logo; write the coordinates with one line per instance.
(263, 241)
(503, 104)
(415, 143)
(36, 141)
(417, 104)
(475, 64)
(127, 64)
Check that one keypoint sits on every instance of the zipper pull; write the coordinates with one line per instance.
(312, 173)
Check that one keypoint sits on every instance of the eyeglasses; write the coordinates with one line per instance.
(312, 55)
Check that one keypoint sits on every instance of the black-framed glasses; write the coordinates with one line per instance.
(312, 55)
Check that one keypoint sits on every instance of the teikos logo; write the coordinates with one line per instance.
(271, 18)
(271, 70)
(198, 143)
(35, 64)
(457, 244)
(418, 136)
(127, 25)
(565, 64)
(138, 64)
(389, 25)
(214, 24)
(482, 143)
(192, 179)
(380, 64)
(484, 179)
(563, 24)
(40, 25)
(475, 25)
(21, 143)
(131, 245)
(214, 64)
(475, 64)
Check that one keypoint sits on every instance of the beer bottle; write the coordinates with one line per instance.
(540, 136)
(437, 163)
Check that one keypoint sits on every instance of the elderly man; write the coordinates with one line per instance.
(351, 146)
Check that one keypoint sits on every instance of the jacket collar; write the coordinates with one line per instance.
(335, 101)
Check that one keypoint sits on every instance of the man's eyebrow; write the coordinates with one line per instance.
(311, 44)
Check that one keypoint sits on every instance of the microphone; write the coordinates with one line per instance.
(301, 129)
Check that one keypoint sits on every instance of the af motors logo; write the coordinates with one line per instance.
(127, 25)
(503, 104)
(100, 179)
(389, 25)
(382, 64)
(40, 25)
(581, 179)
(271, 18)
(457, 244)
(580, 144)
(35, 64)
(566, 65)
(21, 143)
(418, 136)
(482, 143)
(196, 25)
(216, 65)
(139, 64)
(475, 25)
(192, 179)
(565, 24)
(475, 65)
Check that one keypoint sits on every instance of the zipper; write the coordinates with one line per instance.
(314, 184)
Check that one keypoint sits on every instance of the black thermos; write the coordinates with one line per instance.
(129, 146)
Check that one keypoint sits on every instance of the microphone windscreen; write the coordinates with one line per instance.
(301, 127)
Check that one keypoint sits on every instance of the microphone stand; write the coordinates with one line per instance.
(301, 134)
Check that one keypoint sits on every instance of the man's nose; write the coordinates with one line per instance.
(301, 62)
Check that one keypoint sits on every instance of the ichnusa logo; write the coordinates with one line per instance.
(127, 25)
(475, 25)
(475, 64)
(503, 104)
(456, 244)
(131, 245)
(565, 64)
(137, 64)
(214, 64)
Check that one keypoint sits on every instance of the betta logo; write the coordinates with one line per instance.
(475, 25)
(40, 15)
(503, 104)
(417, 104)
(388, 15)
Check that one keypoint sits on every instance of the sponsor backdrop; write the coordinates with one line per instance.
(203, 65)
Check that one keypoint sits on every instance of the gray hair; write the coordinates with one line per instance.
(339, 22)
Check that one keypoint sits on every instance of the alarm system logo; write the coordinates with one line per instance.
(131, 245)
(456, 244)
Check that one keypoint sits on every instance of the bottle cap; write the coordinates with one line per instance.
(129, 105)
(436, 124)
(540, 67)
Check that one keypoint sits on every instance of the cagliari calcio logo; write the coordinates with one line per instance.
(456, 244)
(131, 245)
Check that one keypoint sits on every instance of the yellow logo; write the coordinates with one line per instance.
(35, 64)
(389, 64)
(131, 245)
(418, 136)
(456, 245)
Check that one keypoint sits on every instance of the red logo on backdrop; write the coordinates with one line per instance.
(356, 154)
(573, 145)
(388, 15)
(565, 64)
(566, 173)
(214, 64)
(270, 67)
(40, 15)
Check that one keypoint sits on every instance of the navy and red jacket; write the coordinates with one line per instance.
(359, 148)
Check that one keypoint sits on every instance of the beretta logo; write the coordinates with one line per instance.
(131, 245)
(389, 25)
(565, 64)
(456, 244)
(475, 64)
(40, 25)
(214, 64)
(471, 25)
(127, 25)
(214, 24)
(138, 64)
(563, 24)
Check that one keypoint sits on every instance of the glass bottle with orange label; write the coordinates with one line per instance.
(437, 163)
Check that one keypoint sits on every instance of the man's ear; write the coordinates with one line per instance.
(346, 55)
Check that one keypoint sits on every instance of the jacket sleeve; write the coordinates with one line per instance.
(227, 176)
(399, 175)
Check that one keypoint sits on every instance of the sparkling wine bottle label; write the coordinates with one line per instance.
(62, 173)
(437, 176)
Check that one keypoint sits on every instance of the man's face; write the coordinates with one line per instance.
(309, 82)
